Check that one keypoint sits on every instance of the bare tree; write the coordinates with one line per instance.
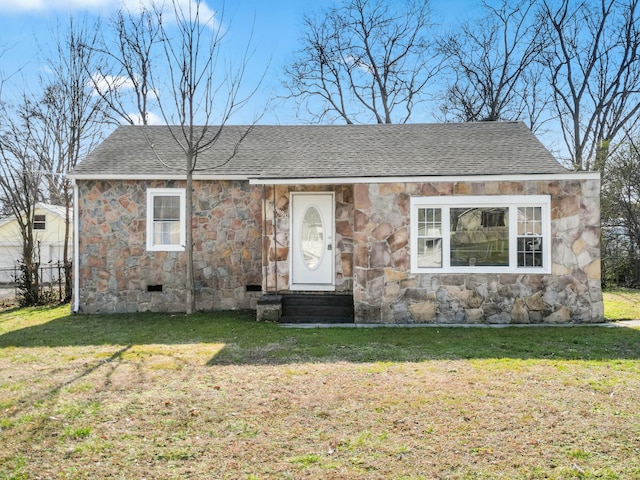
(366, 60)
(5, 201)
(593, 66)
(20, 184)
(71, 117)
(123, 79)
(203, 93)
(493, 67)
(621, 215)
(46, 135)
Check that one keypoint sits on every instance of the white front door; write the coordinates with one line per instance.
(312, 234)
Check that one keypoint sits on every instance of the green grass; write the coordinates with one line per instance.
(622, 304)
(235, 338)
(220, 396)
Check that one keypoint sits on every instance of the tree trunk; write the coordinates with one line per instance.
(190, 283)
(29, 282)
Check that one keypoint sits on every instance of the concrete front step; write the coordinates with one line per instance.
(321, 308)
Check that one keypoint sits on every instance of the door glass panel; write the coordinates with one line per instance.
(312, 237)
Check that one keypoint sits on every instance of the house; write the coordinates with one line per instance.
(419, 223)
(49, 227)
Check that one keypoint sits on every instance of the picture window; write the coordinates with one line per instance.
(480, 233)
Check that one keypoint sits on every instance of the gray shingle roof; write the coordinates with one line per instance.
(330, 151)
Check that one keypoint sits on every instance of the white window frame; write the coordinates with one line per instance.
(165, 192)
(511, 202)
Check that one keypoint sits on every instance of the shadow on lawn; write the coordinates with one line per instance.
(70, 330)
(250, 343)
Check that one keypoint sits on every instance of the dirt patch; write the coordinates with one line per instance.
(7, 296)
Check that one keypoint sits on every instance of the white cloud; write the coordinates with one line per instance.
(46, 6)
(207, 15)
(95, 6)
(364, 67)
(22, 5)
(152, 118)
(103, 83)
(110, 82)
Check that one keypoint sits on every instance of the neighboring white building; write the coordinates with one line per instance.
(49, 232)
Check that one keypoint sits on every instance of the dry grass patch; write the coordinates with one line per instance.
(168, 357)
(212, 401)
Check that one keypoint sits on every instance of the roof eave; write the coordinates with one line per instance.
(120, 176)
(280, 180)
(272, 180)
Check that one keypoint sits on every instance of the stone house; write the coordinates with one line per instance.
(418, 223)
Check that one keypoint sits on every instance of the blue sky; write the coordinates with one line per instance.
(277, 27)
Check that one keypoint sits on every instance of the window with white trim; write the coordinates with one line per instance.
(166, 219)
(483, 234)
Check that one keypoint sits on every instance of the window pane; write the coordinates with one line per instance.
(430, 237)
(312, 242)
(480, 236)
(166, 208)
(166, 233)
(530, 237)
(530, 251)
(429, 222)
(530, 221)
(166, 220)
(434, 215)
(39, 222)
(429, 252)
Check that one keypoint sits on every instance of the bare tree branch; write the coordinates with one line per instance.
(365, 60)
(593, 65)
(493, 65)
(71, 117)
(203, 90)
(20, 184)
(123, 78)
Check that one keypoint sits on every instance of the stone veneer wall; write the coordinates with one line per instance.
(276, 263)
(386, 291)
(371, 254)
(116, 269)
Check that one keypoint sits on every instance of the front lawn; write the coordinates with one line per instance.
(622, 303)
(220, 396)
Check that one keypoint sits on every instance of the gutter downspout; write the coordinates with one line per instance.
(76, 248)
(275, 241)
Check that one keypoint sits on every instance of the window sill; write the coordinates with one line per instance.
(165, 248)
(484, 270)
